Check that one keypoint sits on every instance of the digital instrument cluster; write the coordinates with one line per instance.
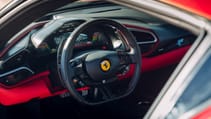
(86, 40)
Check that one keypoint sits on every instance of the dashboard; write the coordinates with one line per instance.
(23, 56)
(23, 59)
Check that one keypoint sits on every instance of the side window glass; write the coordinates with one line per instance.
(197, 92)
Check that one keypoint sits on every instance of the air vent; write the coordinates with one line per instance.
(145, 39)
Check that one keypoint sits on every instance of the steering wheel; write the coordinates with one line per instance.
(92, 77)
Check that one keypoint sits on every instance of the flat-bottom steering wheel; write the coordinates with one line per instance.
(93, 76)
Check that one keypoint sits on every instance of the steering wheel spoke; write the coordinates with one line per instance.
(126, 58)
(99, 93)
(77, 61)
(106, 92)
(77, 64)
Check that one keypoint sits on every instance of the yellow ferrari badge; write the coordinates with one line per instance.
(105, 65)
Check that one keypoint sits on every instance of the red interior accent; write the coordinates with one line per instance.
(36, 88)
(205, 114)
(163, 60)
(157, 62)
(83, 88)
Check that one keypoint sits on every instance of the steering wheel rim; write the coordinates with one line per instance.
(65, 52)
